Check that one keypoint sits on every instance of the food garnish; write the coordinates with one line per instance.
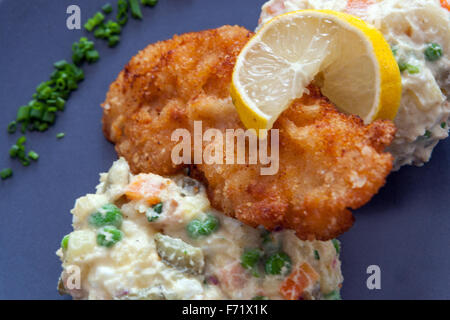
(347, 58)
(122, 12)
(107, 8)
(135, 9)
(6, 173)
(51, 96)
(150, 3)
(97, 19)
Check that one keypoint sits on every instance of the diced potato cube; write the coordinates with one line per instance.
(119, 173)
(87, 205)
(81, 242)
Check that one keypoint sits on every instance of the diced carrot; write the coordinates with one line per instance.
(300, 280)
(445, 4)
(144, 188)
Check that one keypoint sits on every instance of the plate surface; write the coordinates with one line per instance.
(404, 230)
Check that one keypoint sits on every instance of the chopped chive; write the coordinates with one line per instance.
(60, 135)
(92, 56)
(122, 12)
(33, 155)
(97, 19)
(113, 41)
(443, 125)
(80, 50)
(6, 173)
(12, 127)
(36, 113)
(25, 162)
(49, 117)
(14, 150)
(427, 134)
(21, 153)
(60, 64)
(113, 27)
(72, 84)
(150, 3)
(100, 32)
(107, 8)
(23, 113)
(21, 140)
(135, 9)
(42, 127)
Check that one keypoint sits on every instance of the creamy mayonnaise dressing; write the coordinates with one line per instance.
(158, 258)
(408, 26)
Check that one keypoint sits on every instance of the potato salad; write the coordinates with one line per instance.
(419, 34)
(147, 237)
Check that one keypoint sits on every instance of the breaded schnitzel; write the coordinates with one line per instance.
(328, 161)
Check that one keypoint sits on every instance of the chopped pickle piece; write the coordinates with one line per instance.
(179, 254)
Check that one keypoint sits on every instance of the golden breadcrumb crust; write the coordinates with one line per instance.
(329, 162)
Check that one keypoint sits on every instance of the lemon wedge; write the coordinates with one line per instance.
(347, 58)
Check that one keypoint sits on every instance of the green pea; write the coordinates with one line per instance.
(337, 245)
(333, 295)
(108, 215)
(108, 236)
(193, 228)
(412, 69)
(402, 66)
(154, 212)
(209, 225)
(278, 263)
(197, 228)
(250, 258)
(433, 52)
(65, 242)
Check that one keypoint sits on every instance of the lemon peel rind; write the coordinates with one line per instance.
(390, 78)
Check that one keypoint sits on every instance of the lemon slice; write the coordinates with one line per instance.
(348, 59)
